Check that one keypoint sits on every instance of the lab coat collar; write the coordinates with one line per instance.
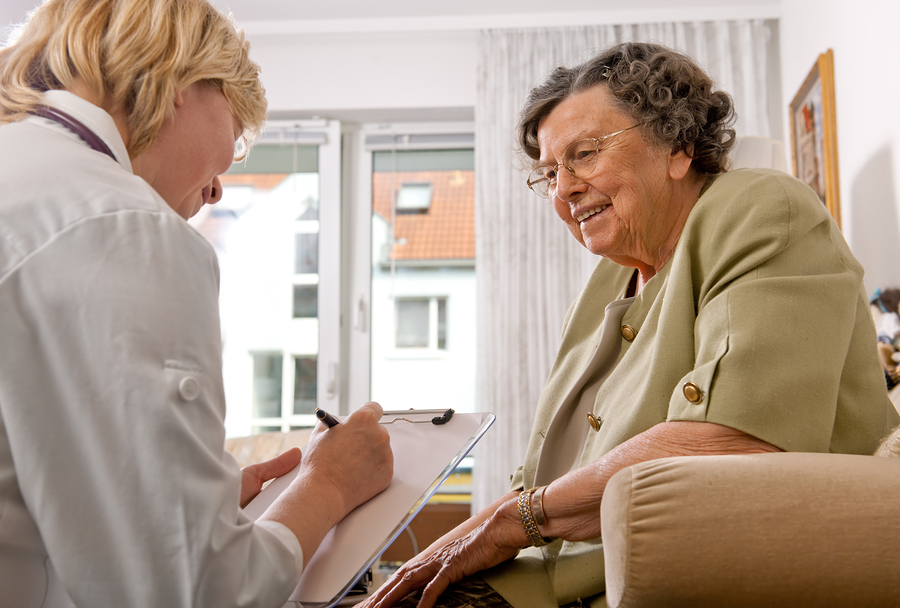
(94, 118)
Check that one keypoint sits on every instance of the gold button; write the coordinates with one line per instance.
(693, 393)
(594, 422)
(628, 332)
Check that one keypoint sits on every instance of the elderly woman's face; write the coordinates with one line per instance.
(626, 208)
(195, 145)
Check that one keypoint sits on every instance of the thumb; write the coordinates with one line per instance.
(284, 463)
(276, 467)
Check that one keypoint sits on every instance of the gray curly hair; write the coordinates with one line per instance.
(665, 91)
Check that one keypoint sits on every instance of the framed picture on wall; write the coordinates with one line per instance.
(814, 134)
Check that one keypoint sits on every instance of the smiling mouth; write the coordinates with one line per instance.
(589, 213)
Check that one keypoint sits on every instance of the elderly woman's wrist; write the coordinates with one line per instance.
(529, 506)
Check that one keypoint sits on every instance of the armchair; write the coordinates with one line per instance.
(788, 529)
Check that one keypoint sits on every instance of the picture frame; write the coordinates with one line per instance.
(814, 134)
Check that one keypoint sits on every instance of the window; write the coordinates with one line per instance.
(421, 323)
(306, 301)
(305, 386)
(306, 250)
(280, 282)
(268, 408)
(414, 311)
(280, 233)
(267, 385)
(414, 197)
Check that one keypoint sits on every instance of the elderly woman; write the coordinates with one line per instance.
(115, 489)
(727, 316)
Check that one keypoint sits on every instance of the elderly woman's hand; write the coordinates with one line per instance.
(497, 539)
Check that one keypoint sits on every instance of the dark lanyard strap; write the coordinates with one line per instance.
(76, 127)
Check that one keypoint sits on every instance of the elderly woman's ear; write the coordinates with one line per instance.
(679, 164)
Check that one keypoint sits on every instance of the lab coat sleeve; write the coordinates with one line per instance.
(115, 419)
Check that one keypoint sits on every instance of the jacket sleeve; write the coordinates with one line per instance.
(114, 412)
(781, 316)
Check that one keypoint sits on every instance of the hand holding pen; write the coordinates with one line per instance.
(355, 451)
(345, 463)
(326, 418)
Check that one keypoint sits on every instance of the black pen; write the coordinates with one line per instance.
(326, 418)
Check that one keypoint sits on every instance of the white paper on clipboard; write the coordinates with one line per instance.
(424, 456)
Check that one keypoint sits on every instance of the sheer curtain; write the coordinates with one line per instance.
(529, 267)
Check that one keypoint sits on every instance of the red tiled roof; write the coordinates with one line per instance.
(447, 230)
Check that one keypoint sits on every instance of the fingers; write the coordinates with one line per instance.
(434, 589)
(482, 548)
(496, 539)
(371, 407)
(406, 580)
(369, 413)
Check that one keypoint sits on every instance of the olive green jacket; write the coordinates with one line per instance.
(759, 322)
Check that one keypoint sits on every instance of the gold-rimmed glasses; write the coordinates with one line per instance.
(579, 159)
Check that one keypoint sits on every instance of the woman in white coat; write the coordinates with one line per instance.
(116, 118)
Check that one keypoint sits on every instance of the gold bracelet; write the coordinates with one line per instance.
(527, 517)
(537, 506)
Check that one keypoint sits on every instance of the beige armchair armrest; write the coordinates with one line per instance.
(787, 529)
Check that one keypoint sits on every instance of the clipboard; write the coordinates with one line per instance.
(425, 454)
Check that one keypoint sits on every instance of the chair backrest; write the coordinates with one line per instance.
(759, 153)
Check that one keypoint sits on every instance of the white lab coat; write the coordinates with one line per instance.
(115, 489)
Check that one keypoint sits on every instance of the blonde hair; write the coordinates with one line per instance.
(139, 52)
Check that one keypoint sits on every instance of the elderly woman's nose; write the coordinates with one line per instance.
(215, 194)
(567, 185)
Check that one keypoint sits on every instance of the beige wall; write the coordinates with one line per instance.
(863, 34)
(358, 74)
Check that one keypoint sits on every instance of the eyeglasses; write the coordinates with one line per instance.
(579, 159)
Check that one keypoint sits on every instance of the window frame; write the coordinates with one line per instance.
(360, 142)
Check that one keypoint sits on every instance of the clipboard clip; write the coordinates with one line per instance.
(442, 419)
